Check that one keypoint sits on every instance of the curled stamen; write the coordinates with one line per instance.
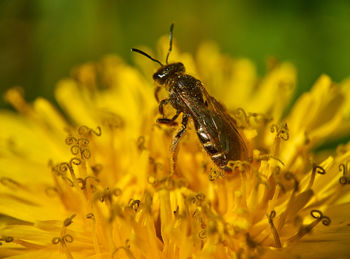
(64, 239)
(84, 130)
(56, 240)
(203, 234)
(71, 140)
(75, 161)
(213, 174)
(344, 171)
(64, 167)
(273, 229)
(85, 153)
(315, 169)
(282, 132)
(98, 132)
(67, 238)
(240, 115)
(83, 182)
(200, 196)
(83, 142)
(238, 164)
(318, 169)
(68, 221)
(316, 214)
(319, 216)
(134, 204)
(75, 149)
(106, 194)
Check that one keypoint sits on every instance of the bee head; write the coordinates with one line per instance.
(167, 71)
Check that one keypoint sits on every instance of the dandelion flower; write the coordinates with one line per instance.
(92, 178)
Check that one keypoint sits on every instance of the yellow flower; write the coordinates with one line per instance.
(94, 180)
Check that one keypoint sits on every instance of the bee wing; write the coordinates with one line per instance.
(220, 126)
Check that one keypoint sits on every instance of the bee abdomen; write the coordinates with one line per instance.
(219, 157)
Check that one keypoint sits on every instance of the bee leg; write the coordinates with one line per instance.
(156, 92)
(161, 104)
(174, 144)
(171, 121)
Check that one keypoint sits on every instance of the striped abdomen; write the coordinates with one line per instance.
(219, 156)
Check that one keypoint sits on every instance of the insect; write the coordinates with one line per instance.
(215, 128)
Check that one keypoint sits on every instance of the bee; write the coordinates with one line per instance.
(216, 129)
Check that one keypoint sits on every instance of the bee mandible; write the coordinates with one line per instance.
(215, 128)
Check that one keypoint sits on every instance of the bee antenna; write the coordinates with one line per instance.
(145, 54)
(170, 42)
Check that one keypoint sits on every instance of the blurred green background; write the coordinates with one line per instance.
(42, 40)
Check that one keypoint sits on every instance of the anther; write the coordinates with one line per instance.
(68, 221)
(90, 216)
(315, 169)
(203, 234)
